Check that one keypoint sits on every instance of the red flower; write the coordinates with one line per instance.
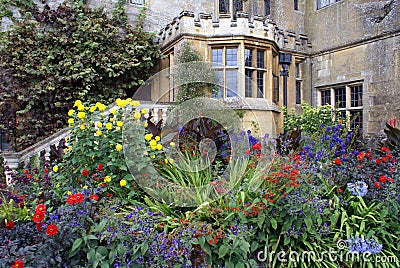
(85, 173)
(39, 226)
(340, 190)
(94, 197)
(38, 217)
(18, 264)
(29, 176)
(46, 170)
(40, 209)
(390, 156)
(99, 167)
(71, 199)
(378, 161)
(385, 149)
(247, 151)
(79, 197)
(382, 179)
(51, 230)
(338, 161)
(384, 159)
(377, 185)
(256, 146)
(10, 225)
(26, 171)
(390, 179)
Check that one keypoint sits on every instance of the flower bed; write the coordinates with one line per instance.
(325, 202)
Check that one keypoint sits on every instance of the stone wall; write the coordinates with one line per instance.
(357, 40)
(350, 21)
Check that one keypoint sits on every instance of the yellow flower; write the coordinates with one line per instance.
(157, 138)
(122, 103)
(111, 119)
(171, 160)
(135, 103)
(107, 179)
(99, 125)
(92, 109)
(58, 185)
(109, 126)
(166, 161)
(153, 156)
(136, 115)
(120, 123)
(99, 132)
(144, 111)
(118, 147)
(81, 115)
(71, 121)
(148, 137)
(146, 124)
(153, 147)
(69, 193)
(114, 110)
(55, 168)
(81, 108)
(159, 146)
(71, 112)
(85, 187)
(122, 183)
(153, 143)
(77, 103)
(83, 127)
(172, 144)
(101, 106)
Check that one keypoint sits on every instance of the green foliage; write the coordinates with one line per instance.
(57, 56)
(11, 211)
(96, 138)
(7, 7)
(192, 68)
(310, 120)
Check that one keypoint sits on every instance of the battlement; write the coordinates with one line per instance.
(206, 25)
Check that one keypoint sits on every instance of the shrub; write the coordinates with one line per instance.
(56, 56)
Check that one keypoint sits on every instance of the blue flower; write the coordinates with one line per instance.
(359, 188)
(358, 245)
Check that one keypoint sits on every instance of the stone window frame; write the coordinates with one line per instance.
(225, 91)
(348, 109)
(325, 3)
(137, 2)
(299, 82)
(258, 70)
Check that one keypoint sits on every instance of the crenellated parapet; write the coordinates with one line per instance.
(225, 26)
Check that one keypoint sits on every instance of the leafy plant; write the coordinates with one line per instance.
(63, 54)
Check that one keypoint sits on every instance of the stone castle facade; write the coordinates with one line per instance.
(341, 52)
(285, 52)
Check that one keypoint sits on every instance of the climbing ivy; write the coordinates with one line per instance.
(54, 56)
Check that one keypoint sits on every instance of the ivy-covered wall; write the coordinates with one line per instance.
(53, 56)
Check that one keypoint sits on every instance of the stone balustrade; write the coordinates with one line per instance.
(43, 149)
